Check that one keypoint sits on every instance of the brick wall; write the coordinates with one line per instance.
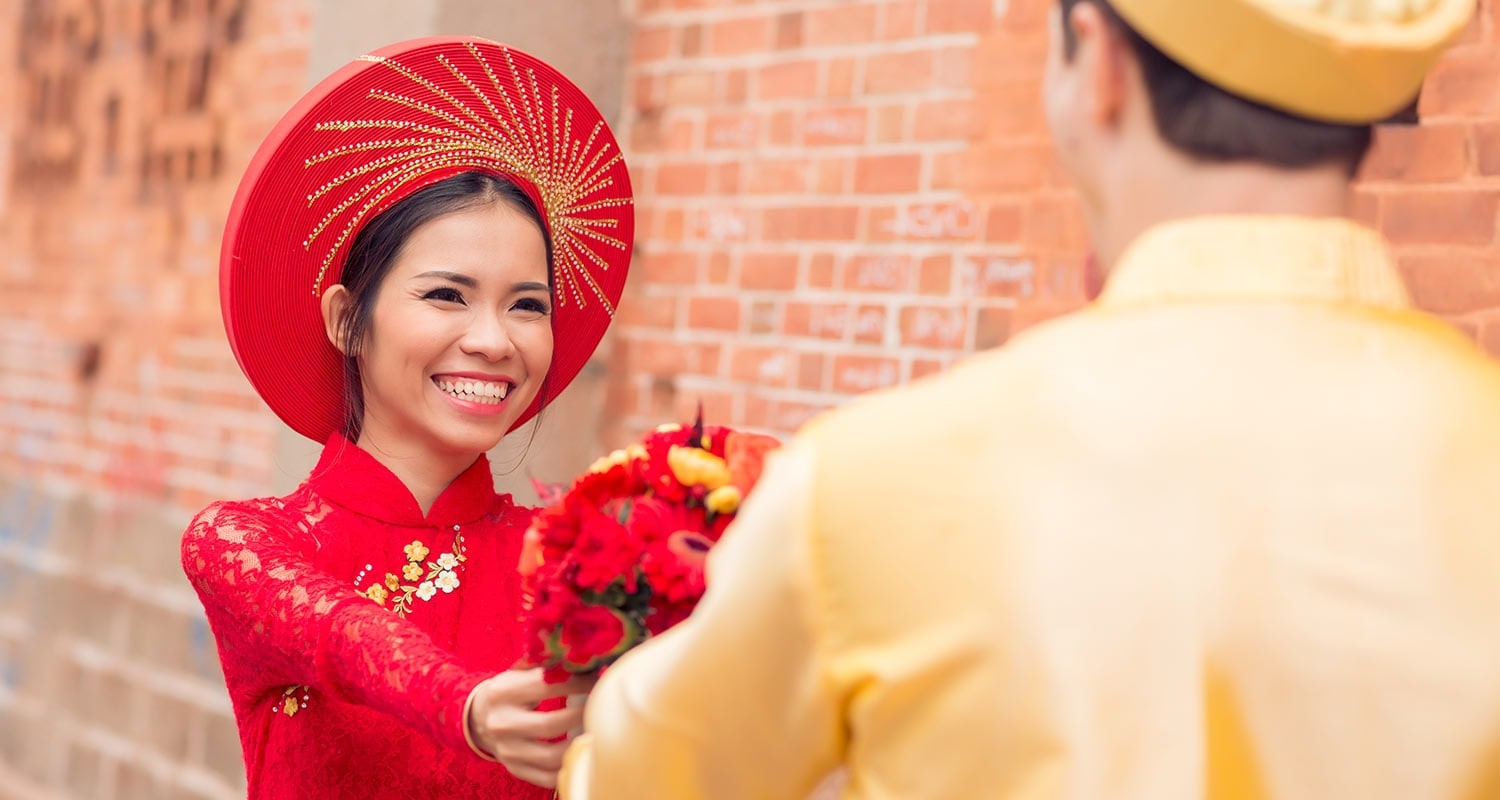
(834, 195)
(129, 124)
(840, 196)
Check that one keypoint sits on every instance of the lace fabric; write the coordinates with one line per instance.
(334, 691)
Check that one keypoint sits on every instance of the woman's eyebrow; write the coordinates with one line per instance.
(456, 277)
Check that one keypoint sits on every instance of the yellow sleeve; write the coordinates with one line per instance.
(735, 702)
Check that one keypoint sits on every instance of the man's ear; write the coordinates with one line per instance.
(335, 304)
(1104, 57)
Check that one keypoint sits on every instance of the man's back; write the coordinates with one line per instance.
(1232, 533)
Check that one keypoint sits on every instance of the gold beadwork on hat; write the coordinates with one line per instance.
(522, 133)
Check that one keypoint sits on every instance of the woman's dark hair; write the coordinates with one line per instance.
(1207, 123)
(376, 247)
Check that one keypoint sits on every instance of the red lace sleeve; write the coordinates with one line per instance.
(287, 622)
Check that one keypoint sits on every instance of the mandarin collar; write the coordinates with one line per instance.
(1258, 257)
(353, 479)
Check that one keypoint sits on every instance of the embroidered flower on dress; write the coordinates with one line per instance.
(440, 574)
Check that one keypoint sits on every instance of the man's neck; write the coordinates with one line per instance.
(1175, 188)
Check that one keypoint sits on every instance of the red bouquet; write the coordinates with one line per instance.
(619, 557)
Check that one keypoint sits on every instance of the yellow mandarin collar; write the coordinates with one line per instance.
(1278, 258)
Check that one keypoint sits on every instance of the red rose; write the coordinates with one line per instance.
(604, 552)
(594, 635)
(674, 567)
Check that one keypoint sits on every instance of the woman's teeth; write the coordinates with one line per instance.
(482, 392)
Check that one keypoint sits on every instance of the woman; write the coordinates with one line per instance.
(422, 254)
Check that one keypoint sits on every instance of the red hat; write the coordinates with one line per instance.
(382, 127)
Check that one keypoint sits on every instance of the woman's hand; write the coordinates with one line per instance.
(503, 721)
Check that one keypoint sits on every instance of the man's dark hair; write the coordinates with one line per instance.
(1210, 124)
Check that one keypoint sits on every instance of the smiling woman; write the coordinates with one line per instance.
(462, 216)
(443, 318)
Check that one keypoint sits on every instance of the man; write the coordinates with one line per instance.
(1231, 532)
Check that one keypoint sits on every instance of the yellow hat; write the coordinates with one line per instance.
(1344, 61)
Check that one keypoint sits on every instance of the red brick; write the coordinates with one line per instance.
(996, 276)
(659, 357)
(890, 73)
(722, 224)
(769, 271)
(781, 176)
(740, 36)
(735, 86)
(934, 326)
(763, 366)
(647, 311)
(842, 23)
(887, 174)
(1453, 283)
(790, 30)
(1004, 55)
(923, 367)
(811, 372)
(732, 131)
(948, 119)
(682, 179)
(853, 374)
(783, 127)
(1005, 222)
(959, 16)
(719, 268)
(1464, 83)
(953, 68)
(822, 271)
(1487, 148)
(813, 223)
(724, 179)
(648, 92)
(839, 83)
(791, 80)
(682, 135)
(765, 317)
(890, 124)
(935, 275)
(992, 169)
(955, 220)
(817, 320)
(1014, 109)
(900, 20)
(714, 313)
(1417, 153)
(833, 176)
(668, 267)
(689, 89)
(692, 40)
(1441, 217)
(652, 44)
(868, 324)
(879, 273)
(830, 126)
